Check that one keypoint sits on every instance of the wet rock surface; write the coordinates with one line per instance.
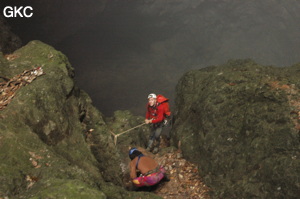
(239, 122)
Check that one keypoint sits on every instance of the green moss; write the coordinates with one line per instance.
(57, 188)
(53, 142)
(233, 117)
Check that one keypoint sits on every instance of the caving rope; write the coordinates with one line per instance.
(117, 135)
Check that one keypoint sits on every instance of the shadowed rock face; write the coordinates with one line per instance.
(53, 142)
(240, 123)
(9, 42)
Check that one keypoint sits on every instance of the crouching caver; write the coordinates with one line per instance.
(150, 172)
(157, 113)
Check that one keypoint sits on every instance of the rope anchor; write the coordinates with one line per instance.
(117, 135)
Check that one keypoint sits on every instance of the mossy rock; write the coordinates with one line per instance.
(236, 121)
(53, 142)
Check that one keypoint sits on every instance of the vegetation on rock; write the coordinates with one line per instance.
(240, 123)
(53, 142)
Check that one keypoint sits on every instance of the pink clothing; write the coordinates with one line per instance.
(150, 179)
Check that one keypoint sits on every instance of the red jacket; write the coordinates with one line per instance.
(159, 111)
(155, 112)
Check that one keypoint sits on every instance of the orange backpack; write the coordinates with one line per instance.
(165, 103)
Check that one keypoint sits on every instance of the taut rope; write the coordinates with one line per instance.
(117, 135)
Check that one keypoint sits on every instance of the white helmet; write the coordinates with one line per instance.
(152, 95)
